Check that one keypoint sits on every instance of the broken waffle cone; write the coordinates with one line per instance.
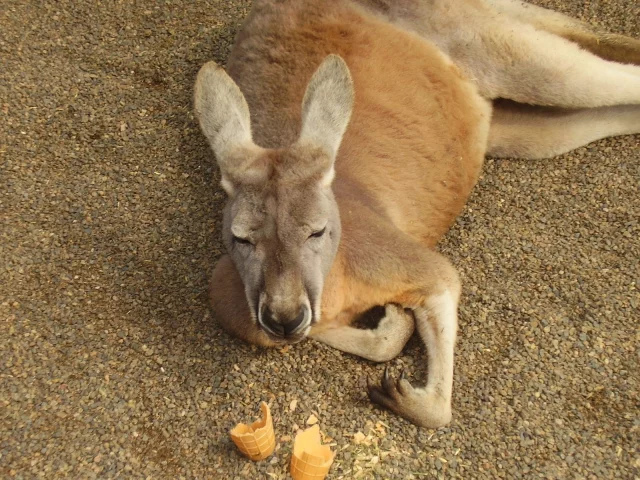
(310, 460)
(258, 440)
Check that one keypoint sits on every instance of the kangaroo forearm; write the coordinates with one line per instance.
(229, 304)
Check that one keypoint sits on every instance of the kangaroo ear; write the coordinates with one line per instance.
(327, 106)
(224, 118)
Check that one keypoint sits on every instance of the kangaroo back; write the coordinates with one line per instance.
(418, 133)
(343, 176)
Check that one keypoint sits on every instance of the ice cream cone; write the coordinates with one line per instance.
(310, 460)
(258, 440)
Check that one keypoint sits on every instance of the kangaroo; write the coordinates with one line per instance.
(349, 135)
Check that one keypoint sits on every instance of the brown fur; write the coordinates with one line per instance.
(424, 75)
(398, 132)
(616, 48)
(435, 124)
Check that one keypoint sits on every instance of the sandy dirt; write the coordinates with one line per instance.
(112, 366)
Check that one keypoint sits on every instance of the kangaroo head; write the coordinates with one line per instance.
(281, 222)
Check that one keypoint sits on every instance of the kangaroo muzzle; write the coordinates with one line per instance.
(286, 323)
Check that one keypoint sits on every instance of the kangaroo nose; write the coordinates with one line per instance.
(286, 326)
(270, 322)
(291, 326)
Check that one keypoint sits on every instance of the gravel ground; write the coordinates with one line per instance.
(111, 364)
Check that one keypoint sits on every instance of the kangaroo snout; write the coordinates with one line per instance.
(283, 324)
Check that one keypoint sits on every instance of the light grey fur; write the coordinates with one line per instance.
(282, 265)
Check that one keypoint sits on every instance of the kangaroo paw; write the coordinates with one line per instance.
(418, 405)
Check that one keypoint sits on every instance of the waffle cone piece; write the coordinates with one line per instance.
(258, 440)
(310, 460)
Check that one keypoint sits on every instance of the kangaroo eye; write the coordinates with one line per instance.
(318, 234)
(241, 241)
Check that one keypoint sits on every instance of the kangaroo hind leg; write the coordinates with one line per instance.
(524, 131)
(616, 48)
(535, 67)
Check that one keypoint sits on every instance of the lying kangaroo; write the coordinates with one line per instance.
(342, 181)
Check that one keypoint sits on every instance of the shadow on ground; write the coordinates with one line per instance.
(111, 364)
